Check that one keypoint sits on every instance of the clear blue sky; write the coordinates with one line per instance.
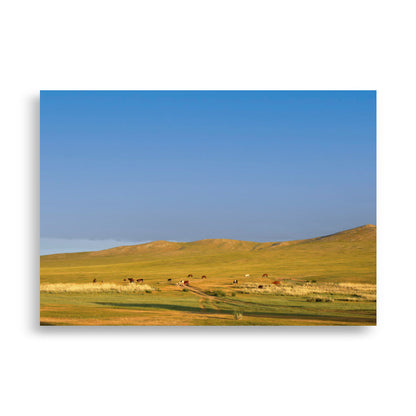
(261, 166)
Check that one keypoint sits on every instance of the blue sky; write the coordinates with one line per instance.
(260, 166)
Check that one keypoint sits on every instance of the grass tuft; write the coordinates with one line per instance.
(217, 292)
(341, 291)
(320, 299)
(237, 315)
(94, 288)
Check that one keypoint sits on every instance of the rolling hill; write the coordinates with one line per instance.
(347, 256)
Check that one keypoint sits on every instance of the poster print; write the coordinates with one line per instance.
(208, 208)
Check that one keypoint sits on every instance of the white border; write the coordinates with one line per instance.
(207, 45)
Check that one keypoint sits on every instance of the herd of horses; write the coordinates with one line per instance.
(186, 282)
(131, 280)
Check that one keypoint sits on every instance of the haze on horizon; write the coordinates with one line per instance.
(184, 166)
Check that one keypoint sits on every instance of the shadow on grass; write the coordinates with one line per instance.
(277, 315)
(181, 308)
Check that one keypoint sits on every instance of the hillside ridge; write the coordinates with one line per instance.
(362, 233)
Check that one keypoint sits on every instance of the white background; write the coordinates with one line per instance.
(207, 45)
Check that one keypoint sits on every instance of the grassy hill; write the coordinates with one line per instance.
(347, 256)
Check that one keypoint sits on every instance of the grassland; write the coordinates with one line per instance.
(323, 281)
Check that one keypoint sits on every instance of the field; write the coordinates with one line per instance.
(328, 280)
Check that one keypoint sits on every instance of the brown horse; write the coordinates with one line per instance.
(265, 275)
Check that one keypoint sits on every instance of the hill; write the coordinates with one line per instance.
(347, 256)
(363, 233)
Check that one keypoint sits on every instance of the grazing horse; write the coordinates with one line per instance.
(131, 280)
(186, 282)
(94, 281)
(246, 275)
(139, 280)
(189, 275)
(124, 280)
(203, 277)
(169, 280)
(235, 281)
(265, 275)
(276, 282)
(260, 286)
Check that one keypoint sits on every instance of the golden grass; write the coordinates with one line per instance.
(338, 269)
(348, 291)
(344, 257)
(94, 288)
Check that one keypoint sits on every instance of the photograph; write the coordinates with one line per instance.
(208, 208)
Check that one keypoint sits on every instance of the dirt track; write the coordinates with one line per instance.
(270, 313)
(199, 292)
